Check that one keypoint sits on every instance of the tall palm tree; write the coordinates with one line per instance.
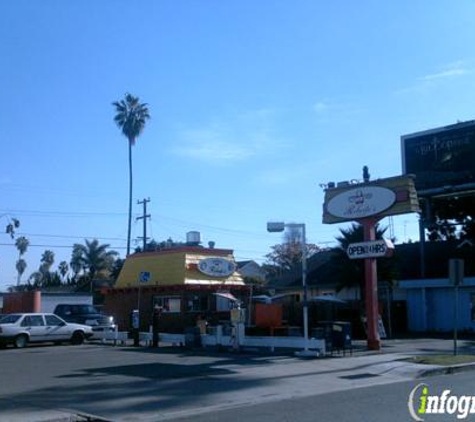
(76, 263)
(21, 244)
(20, 267)
(95, 258)
(131, 118)
(63, 269)
(47, 261)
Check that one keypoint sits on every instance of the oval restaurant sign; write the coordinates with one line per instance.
(361, 202)
(217, 267)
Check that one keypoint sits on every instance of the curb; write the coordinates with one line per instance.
(444, 370)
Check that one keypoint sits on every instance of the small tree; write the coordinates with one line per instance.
(95, 259)
(288, 255)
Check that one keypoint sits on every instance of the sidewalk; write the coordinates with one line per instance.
(17, 412)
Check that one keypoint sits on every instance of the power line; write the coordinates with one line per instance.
(64, 213)
(55, 246)
(60, 236)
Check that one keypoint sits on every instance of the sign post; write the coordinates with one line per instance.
(456, 272)
(367, 203)
(371, 284)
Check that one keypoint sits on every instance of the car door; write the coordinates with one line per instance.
(35, 326)
(57, 329)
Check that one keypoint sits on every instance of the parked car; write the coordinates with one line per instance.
(21, 329)
(87, 315)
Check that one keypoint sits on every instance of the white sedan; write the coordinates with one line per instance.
(21, 329)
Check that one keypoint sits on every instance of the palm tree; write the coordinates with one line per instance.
(63, 269)
(47, 261)
(21, 244)
(350, 273)
(131, 118)
(20, 267)
(76, 263)
(95, 258)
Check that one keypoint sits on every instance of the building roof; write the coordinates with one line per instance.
(184, 249)
(184, 265)
(241, 264)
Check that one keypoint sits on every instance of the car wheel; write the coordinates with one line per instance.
(21, 341)
(77, 338)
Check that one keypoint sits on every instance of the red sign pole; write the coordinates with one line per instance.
(371, 284)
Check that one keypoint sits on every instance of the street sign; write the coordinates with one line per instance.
(382, 248)
(144, 276)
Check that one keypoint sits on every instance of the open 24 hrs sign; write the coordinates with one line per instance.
(373, 249)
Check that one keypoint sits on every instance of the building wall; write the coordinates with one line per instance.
(415, 310)
(430, 305)
(121, 302)
(22, 302)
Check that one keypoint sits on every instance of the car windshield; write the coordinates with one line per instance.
(10, 319)
(84, 309)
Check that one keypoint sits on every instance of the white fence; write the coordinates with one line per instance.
(236, 340)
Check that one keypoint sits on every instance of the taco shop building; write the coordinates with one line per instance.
(183, 282)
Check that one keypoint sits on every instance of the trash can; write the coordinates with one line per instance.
(337, 335)
(341, 332)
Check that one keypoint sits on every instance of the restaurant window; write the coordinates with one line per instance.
(169, 304)
(197, 304)
(223, 304)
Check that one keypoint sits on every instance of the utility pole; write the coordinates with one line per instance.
(144, 218)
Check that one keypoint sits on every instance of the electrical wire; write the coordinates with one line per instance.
(55, 246)
(59, 236)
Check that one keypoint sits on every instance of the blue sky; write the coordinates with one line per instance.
(253, 104)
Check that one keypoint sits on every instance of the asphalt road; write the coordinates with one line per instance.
(386, 403)
(141, 385)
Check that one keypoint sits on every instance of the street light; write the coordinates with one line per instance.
(275, 227)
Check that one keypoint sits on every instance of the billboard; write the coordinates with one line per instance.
(440, 157)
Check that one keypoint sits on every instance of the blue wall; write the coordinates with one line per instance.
(430, 305)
